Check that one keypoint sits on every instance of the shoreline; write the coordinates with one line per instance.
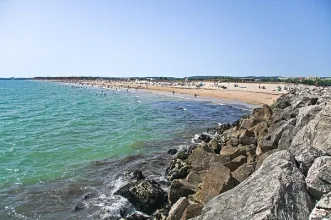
(235, 159)
(244, 92)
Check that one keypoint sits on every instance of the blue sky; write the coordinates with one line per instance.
(165, 38)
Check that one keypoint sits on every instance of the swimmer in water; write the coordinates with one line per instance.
(195, 95)
(173, 92)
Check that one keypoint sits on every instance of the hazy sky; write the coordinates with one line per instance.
(165, 37)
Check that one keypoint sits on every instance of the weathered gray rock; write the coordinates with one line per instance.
(319, 177)
(275, 191)
(262, 157)
(284, 114)
(306, 114)
(218, 179)
(177, 209)
(178, 189)
(283, 101)
(313, 140)
(322, 210)
(270, 141)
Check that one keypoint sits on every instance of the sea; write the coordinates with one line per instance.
(61, 143)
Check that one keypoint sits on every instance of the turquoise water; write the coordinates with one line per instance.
(50, 131)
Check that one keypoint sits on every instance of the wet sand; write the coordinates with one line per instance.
(246, 92)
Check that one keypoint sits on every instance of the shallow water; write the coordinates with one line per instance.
(60, 141)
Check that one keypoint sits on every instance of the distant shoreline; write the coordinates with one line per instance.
(245, 92)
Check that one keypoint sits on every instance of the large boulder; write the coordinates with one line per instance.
(322, 210)
(275, 191)
(233, 152)
(218, 179)
(319, 177)
(178, 189)
(313, 140)
(283, 101)
(178, 169)
(247, 137)
(145, 195)
(202, 157)
(236, 162)
(270, 141)
(215, 146)
(195, 178)
(178, 208)
(258, 115)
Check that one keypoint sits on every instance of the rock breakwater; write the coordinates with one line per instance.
(271, 164)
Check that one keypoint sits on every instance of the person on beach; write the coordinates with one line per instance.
(195, 95)
(173, 92)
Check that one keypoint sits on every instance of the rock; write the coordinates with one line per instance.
(304, 101)
(137, 216)
(284, 114)
(236, 162)
(270, 141)
(313, 101)
(319, 177)
(233, 152)
(202, 157)
(183, 155)
(286, 138)
(172, 151)
(247, 137)
(178, 169)
(195, 178)
(224, 127)
(218, 179)
(177, 209)
(242, 172)
(145, 195)
(322, 210)
(161, 214)
(205, 137)
(260, 129)
(192, 211)
(178, 189)
(306, 158)
(306, 114)
(283, 101)
(275, 191)
(78, 206)
(136, 175)
(215, 146)
(258, 115)
(313, 140)
(262, 157)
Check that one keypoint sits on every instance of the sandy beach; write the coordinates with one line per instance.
(246, 92)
